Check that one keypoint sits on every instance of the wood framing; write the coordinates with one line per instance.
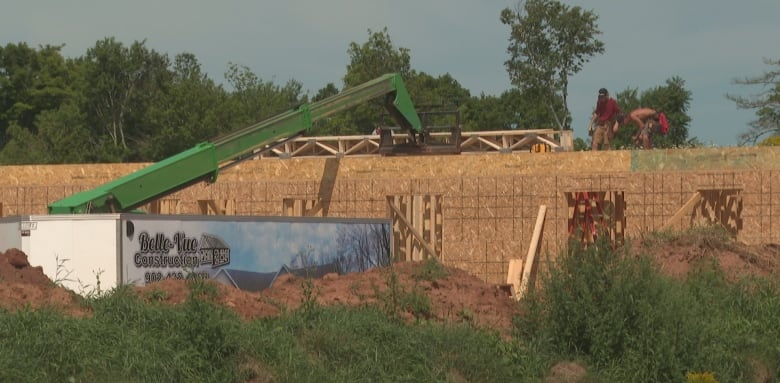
(721, 206)
(217, 207)
(592, 213)
(711, 206)
(417, 226)
(298, 207)
(164, 206)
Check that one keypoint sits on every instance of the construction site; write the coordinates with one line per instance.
(485, 202)
(412, 223)
(477, 210)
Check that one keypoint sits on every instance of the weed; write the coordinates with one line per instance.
(309, 294)
(61, 274)
(417, 303)
(157, 295)
(430, 270)
(91, 291)
(202, 289)
(354, 289)
(390, 299)
(466, 316)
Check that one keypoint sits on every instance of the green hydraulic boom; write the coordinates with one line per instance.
(204, 161)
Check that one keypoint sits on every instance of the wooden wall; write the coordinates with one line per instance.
(473, 211)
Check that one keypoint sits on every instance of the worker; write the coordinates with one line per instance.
(603, 119)
(647, 122)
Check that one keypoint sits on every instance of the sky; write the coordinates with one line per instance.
(707, 44)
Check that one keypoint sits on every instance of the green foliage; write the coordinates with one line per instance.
(31, 81)
(770, 141)
(308, 297)
(191, 109)
(766, 104)
(119, 86)
(549, 42)
(367, 61)
(126, 340)
(374, 58)
(430, 270)
(617, 312)
(396, 300)
(253, 99)
(672, 99)
(513, 109)
(580, 145)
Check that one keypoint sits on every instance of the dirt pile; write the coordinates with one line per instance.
(679, 256)
(452, 294)
(25, 286)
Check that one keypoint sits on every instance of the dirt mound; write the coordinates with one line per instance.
(677, 257)
(24, 286)
(454, 295)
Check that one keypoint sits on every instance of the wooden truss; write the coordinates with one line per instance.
(504, 141)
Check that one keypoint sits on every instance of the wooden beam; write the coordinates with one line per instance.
(528, 265)
(513, 276)
(414, 231)
(687, 208)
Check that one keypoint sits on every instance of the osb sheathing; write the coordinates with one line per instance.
(489, 201)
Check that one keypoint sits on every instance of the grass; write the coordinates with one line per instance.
(610, 311)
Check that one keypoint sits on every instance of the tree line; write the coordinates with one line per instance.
(130, 103)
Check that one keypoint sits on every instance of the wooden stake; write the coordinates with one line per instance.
(525, 281)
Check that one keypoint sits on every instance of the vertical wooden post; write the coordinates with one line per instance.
(528, 265)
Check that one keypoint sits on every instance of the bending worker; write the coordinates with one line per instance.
(647, 122)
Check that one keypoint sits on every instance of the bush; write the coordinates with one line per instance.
(615, 310)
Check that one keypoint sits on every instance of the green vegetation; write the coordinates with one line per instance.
(611, 312)
(625, 320)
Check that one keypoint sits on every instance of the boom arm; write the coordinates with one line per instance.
(203, 162)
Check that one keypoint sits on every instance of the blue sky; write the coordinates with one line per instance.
(707, 44)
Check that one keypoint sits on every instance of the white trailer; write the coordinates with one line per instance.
(91, 253)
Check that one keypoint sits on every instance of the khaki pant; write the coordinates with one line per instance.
(601, 135)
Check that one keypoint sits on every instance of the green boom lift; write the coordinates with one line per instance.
(204, 161)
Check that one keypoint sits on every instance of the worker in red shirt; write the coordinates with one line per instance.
(604, 119)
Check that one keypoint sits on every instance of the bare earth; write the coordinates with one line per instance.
(456, 297)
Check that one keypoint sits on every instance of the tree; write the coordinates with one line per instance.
(766, 104)
(673, 100)
(549, 42)
(188, 111)
(120, 84)
(254, 99)
(61, 136)
(31, 82)
(367, 61)
(374, 58)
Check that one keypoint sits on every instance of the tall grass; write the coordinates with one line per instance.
(628, 322)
